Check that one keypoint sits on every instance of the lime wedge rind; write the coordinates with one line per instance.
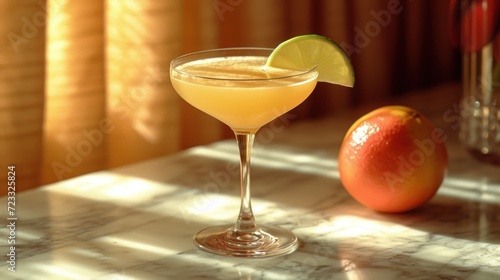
(306, 51)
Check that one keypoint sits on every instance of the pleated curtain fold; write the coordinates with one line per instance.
(22, 88)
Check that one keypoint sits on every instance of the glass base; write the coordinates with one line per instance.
(266, 241)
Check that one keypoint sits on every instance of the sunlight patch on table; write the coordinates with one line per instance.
(137, 245)
(65, 270)
(109, 186)
(209, 203)
(347, 226)
(482, 190)
(276, 159)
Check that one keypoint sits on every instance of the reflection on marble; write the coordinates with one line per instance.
(137, 222)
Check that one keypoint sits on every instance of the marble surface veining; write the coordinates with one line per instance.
(137, 222)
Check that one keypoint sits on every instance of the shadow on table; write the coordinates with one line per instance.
(454, 217)
(463, 208)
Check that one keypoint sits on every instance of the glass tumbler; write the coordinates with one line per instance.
(480, 105)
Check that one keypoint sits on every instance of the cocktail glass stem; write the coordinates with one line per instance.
(246, 221)
(245, 238)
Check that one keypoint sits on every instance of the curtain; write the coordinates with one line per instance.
(84, 85)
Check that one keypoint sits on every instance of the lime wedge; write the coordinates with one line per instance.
(305, 51)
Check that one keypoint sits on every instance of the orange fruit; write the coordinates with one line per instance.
(393, 159)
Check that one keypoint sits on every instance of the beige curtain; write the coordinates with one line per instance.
(84, 85)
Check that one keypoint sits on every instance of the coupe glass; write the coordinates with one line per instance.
(234, 86)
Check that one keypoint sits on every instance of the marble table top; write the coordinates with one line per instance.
(137, 222)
